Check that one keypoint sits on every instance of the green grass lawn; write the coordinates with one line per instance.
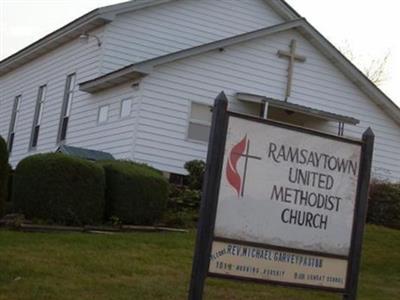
(156, 266)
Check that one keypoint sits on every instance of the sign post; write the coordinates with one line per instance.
(282, 205)
(361, 214)
(209, 197)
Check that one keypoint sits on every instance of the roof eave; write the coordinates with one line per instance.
(125, 75)
(85, 23)
(53, 40)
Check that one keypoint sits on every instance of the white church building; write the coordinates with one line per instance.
(137, 80)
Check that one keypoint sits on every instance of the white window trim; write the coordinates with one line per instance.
(196, 121)
(98, 114)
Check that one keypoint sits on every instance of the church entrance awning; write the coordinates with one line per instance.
(291, 107)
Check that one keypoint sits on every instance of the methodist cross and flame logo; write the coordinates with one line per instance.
(239, 151)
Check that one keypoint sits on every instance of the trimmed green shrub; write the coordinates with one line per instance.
(384, 204)
(135, 194)
(182, 198)
(184, 201)
(8, 208)
(196, 169)
(183, 206)
(60, 189)
(10, 182)
(4, 171)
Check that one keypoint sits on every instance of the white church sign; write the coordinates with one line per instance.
(287, 188)
(281, 204)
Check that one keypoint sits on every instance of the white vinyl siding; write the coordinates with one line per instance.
(51, 68)
(254, 67)
(178, 25)
(116, 135)
(199, 123)
(37, 117)
(156, 131)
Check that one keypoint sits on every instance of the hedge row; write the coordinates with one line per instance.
(184, 199)
(60, 189)
(67, 190)
(4, 172)
(72, 191)
(136, 194)
(384, 204)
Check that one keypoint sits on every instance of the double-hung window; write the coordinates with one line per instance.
(126, 105)
(37, 118)
(199, 122)
(102, 116)
(13, 122)
(66, 108)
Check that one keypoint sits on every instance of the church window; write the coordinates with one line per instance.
(126, 105)
(199, 122)
(66, 108)
(13, 122)
(103, 114)
(37, 116)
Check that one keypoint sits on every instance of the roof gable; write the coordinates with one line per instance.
(143, 68)
(92, 20)
(102, 16)
(141, 35)
(97, 18)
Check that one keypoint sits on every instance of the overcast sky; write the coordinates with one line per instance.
(369, 27)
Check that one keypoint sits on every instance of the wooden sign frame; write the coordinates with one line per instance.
(211, 185)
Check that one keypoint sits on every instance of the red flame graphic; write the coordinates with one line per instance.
(232, 173)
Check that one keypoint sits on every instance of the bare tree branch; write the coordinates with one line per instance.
(375, 70)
